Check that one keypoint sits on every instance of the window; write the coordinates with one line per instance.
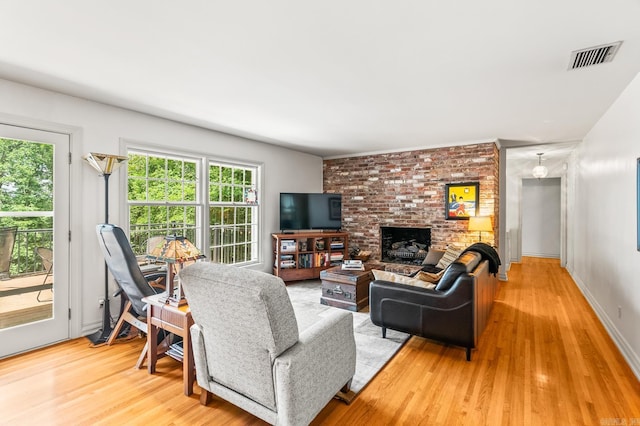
(162, 196)
(165, 196)
(232, 214)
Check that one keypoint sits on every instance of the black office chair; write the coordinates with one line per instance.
(123, 265)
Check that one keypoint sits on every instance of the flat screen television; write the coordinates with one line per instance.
(310, 211)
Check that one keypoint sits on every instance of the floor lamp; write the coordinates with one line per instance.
(105, 164)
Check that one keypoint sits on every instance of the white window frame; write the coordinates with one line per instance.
(254, 224)
(202, 202)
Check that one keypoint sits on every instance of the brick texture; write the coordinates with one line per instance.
(407, 189)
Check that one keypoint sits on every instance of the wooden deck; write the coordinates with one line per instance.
(19, 300)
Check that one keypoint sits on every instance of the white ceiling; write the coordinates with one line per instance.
(555, 157)
(334, 77)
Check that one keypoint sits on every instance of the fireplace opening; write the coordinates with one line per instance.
(404, 245)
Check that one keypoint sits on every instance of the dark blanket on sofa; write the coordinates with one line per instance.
(488, 253)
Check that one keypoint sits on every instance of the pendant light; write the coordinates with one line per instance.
(540, 171)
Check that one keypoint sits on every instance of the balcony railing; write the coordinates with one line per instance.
(24, 260)
(141, 233)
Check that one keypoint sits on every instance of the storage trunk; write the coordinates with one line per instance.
(345, 289)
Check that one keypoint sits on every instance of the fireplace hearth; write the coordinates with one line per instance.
(404, 245)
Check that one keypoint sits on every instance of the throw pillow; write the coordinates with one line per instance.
(433, 257)
(429, 277)
(449, 256)
(397, 278)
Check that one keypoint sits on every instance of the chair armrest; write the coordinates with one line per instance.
(312, 371)
(156, 281)
(199, 357)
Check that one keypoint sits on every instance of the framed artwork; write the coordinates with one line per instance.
(461, 200)
(638, 203)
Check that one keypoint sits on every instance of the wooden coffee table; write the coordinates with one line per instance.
(346, 289)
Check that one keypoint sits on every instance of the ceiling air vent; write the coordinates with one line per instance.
(593, 55)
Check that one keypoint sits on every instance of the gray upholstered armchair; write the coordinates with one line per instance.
(247, 349)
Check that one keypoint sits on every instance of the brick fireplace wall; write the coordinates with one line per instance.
(407, 189)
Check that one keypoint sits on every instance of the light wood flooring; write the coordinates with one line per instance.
(544, 359)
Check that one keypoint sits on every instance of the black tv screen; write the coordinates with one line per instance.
(310, 211)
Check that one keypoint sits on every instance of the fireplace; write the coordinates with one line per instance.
(404, 245)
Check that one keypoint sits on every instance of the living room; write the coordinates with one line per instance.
(601, 255)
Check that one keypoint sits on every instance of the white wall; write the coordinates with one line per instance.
(541, 217)
(512, 202)
(604, 260)
(100, 128)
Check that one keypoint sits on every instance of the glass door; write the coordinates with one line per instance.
(34, 242)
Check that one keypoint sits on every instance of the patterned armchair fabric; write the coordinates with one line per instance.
(248, 351)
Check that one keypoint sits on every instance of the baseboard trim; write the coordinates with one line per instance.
(503, 272)
(543, 255)
(90, 328)
(625, 349)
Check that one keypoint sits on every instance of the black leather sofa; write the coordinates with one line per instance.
(455, 312)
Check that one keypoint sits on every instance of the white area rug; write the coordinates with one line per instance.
(372, 351)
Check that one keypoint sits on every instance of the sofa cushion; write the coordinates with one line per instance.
(451, 253)
(433, 257)
(463, 264)
(430, 268)
(401, 279)
(429, 276)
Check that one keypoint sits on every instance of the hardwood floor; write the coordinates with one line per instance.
(543, 359)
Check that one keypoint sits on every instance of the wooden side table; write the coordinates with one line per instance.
(174, 319)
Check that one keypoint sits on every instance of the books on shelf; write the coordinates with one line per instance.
(352, 268)
(176, 350)
(336, 245)
(320, 259)
(334, 257)
(305, 254)
(287, 264)
(287, 261)
(287, 246)
(352, 265)
(305, 260)
(313, 260)
(309, 252)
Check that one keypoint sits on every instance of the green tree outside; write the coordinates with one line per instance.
(26, 185)
(158, 179)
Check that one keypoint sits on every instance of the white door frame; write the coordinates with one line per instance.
(563, 220)
(74, 227)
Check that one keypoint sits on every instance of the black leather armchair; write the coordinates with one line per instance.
(454, 312)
